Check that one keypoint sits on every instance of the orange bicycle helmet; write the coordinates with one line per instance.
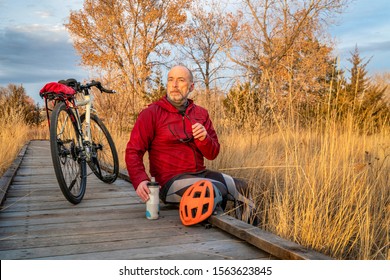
(199, 202)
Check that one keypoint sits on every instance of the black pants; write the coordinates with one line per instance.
(227, 185)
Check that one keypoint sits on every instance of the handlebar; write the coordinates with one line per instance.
(79, 87)
(98, 85)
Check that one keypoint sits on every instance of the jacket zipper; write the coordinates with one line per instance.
(192, 148)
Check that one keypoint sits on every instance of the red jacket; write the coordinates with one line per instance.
(159, 130)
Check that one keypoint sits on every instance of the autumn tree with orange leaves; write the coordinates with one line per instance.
(124, 40)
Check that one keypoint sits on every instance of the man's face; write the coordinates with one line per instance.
(179, 84)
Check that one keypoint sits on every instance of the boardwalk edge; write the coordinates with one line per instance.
(271, 243)
(9, 174)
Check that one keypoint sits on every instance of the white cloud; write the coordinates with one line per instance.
(44, 14)
(36, 54)
(35, 48)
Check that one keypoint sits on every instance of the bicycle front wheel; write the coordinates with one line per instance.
(104, 157)
(67, 154)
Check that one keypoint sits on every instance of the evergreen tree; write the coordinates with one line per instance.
(364, 100)
(359, 80)
(158, 89)
(247, 106)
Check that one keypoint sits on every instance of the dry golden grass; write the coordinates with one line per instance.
(326, 189)
(120, 139)
(14, 133)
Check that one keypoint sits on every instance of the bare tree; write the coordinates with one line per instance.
(273, 28)
(284, 51)
(208, 35)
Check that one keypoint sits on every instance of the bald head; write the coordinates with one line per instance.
(180, 84)
(183, 70)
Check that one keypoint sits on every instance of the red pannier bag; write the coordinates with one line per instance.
(57, 88)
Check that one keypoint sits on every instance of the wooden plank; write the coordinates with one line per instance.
(24, 205)
(56, 195)
(115, 232)
(42, 170)
(271, 243)
(133, 219)
(212, 249)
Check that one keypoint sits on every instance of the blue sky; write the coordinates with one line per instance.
(366, 24)
(35, 47)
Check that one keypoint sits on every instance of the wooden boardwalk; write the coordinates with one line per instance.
(37, 222)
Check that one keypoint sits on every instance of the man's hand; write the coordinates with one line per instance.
(199, 131)
(143, 191)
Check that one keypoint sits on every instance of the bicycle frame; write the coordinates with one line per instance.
(87, 102)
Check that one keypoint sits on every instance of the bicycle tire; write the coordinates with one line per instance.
(67, 154)
(104, 157)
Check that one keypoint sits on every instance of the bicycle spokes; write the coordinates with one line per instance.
(103, 155)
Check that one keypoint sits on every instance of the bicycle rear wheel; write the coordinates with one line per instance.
(104, 157)
(67, 154)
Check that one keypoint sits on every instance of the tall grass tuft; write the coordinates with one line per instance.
(14, 133)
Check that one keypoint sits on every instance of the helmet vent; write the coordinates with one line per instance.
(197, 194)
(193, 212)
(205, 208)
